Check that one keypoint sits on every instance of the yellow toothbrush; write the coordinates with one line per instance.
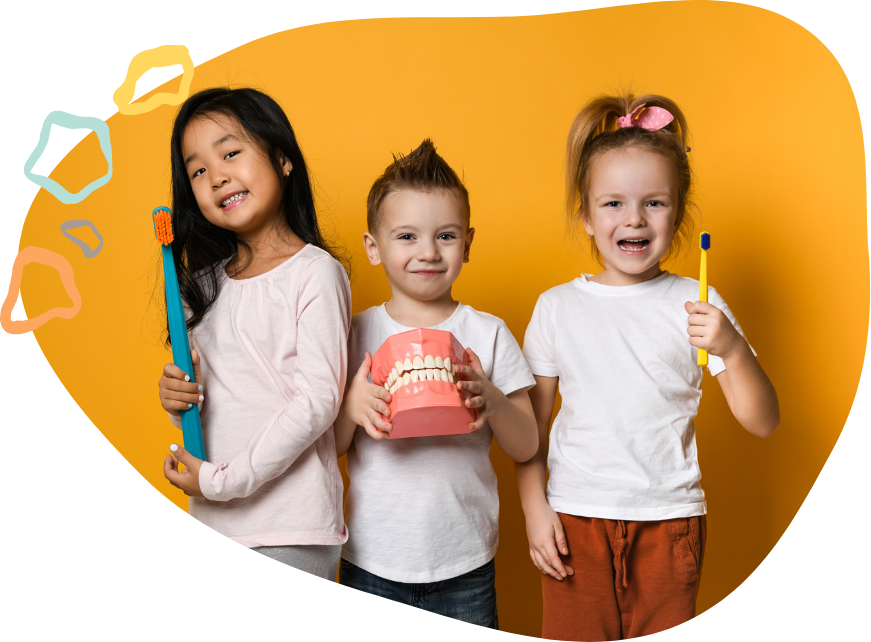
(705, 243)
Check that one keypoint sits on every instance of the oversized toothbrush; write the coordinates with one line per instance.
(191, 429)
(705, 244)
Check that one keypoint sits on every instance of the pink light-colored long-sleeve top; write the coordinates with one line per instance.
(273, 359)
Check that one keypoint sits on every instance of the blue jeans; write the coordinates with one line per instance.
(470, 597)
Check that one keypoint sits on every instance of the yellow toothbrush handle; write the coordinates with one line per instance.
(703, 296)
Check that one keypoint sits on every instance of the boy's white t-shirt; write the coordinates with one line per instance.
(425, 509)
(623, 445)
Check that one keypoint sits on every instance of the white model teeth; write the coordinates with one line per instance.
(414, 369)
(234, 198)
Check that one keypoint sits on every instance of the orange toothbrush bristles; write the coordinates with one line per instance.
(163, 227)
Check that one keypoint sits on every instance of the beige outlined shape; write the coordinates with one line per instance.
(164, 56)
(67, 278)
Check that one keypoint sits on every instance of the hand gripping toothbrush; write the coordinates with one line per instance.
(191, 429)
(705, 244)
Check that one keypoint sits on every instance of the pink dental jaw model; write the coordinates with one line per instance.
(418, 368)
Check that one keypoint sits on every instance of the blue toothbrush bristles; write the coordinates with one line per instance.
(706, 241)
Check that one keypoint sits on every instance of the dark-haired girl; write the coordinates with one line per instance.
(268, 316)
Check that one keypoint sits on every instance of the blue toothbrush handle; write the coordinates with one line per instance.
(191, 429)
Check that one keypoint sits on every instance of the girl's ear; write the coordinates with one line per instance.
(286, 166)
(588, 228)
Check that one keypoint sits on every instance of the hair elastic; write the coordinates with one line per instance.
(651, 118)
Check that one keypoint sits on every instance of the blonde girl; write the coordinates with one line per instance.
(619, 530)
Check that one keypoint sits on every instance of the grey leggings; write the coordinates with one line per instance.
(319, 560)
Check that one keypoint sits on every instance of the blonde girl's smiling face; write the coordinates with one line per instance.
(422, 241)
(631, 212)
(234, 183)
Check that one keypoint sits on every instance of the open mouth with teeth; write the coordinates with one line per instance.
(418, 367)
(233, 199)
(633, 245)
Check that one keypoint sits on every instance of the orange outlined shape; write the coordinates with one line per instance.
(52, 259)
(164, 56)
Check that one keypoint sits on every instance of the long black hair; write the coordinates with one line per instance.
(198, 246)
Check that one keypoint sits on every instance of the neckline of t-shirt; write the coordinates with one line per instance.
(583, 282)
(228, 279)
(382, 311)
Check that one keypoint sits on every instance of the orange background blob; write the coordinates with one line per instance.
(776, 147)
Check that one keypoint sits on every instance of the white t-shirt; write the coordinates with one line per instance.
(425, 509)
(623, 445)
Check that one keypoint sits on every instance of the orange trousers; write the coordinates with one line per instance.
(631, 578)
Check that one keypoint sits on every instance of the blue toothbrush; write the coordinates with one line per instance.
(191, 428)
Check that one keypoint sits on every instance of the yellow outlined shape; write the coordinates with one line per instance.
(163, 56)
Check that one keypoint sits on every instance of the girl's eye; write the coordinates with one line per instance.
(613, 204)
(198, 172)
(230, 155)
(655, 204)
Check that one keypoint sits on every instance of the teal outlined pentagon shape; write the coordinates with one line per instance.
(69, 121)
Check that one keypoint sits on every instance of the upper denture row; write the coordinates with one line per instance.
(428, 368)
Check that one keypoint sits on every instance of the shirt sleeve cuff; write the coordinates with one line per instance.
(208, 470)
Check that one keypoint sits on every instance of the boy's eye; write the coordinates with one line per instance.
(405, 237)
(447, 236)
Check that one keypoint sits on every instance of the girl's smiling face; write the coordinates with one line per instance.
(632, 205)
(235, 185)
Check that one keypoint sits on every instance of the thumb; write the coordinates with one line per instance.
(559, 535)
(474, 361)
(688, 306)
(195, 359)
(184, 456)
(365, 367)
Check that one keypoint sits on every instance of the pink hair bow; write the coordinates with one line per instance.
(652, 118)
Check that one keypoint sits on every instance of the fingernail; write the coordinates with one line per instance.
(190, 405)
(187, 378)
(200, 388)
(173, 448)
(201, 397)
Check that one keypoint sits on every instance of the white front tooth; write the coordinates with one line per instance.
(429, 362)
(393, 373)
(439, 362)
(448, 365)
(429, 374)
(443, 375)
(407, 366)
(386, 386)
(418, 363)
(414, 376)
(398, 366)
(406, 379)
(450, 378)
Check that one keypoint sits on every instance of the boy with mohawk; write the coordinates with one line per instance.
(423, 513)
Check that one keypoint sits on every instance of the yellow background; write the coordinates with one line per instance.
(778, 156)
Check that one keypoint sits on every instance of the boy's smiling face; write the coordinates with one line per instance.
(422, 241)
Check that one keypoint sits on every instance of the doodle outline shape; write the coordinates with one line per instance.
(163, 56)
(33, 254)
(86, 249)
(69, 121)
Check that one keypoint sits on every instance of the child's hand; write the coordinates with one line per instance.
(177, 391)
(711, 330)
(365, 403)
(187, 480)
(547, 540)
(486, 398)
